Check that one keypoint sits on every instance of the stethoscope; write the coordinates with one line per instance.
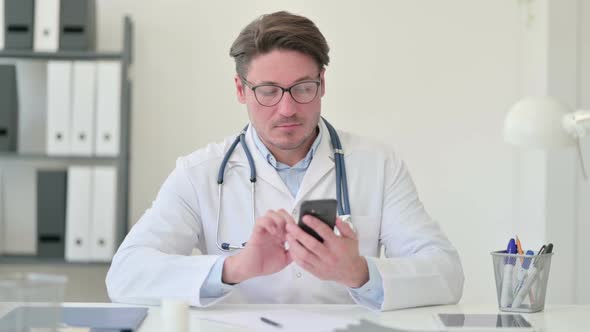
(341, 182)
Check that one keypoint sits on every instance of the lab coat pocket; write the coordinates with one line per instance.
(368, 229)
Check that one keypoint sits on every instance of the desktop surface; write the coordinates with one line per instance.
(571, 318)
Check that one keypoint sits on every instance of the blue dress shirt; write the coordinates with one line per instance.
(370, 294)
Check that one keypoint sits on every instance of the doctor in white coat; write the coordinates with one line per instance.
(280, 64)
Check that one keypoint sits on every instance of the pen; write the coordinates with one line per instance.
(519, 248)
(271, 322)
(506, 296)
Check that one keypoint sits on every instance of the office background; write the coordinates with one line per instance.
(432, 78)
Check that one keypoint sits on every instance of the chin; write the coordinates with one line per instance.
(289, 144)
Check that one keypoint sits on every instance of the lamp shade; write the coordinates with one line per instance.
(537, 122)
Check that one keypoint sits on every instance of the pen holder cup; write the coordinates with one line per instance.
(521, 281)
(39, 294)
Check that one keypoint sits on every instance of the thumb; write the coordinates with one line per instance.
(345, 229)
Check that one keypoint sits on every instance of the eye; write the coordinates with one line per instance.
(305, 88)
(268, 90)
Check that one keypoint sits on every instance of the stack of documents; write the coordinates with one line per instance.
(295, 321)
(368, 326)
(280, 320)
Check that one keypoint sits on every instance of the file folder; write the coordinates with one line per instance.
(108, 108)
(18, 15)
(31, 79)
(2, 28)
(84, 74)
(46, 26)
(59, 83)
(8, 108)
(104, 204)
(77, 25)
(51, 213)
(20, 213)
(78, 214)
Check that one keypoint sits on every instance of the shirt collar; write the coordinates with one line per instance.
(303, 164)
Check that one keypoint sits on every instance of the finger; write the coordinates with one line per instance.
(306, 266)
(289, 258)
(263, 224)
(300, 254)
(345, 229)
(286, 216)
(308, 241)
(320, 227)
(266, 227)
(279, 221)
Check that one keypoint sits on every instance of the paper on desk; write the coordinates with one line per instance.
(368, 326)
(290, 320)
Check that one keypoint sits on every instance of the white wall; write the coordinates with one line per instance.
(583, 215)
(432, 78)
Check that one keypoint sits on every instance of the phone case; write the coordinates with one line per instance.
(323, 209)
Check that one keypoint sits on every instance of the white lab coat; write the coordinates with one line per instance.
(154, 261)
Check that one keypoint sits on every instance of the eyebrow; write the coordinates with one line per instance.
(304, 78)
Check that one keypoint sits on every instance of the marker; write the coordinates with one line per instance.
(271, 322)
(532, 276)
(506, 296)
(522, 271)
(549, 248)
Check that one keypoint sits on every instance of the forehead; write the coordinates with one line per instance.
(282, 67)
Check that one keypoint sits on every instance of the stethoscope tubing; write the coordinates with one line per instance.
(342, 197)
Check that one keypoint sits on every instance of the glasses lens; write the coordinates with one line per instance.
(304, 92)
(268, 95)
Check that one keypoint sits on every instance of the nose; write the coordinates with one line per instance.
(287, 107)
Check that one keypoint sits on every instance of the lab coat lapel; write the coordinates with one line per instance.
(264, 171)
(322, 163)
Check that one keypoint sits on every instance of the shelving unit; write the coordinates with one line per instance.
(121, 161)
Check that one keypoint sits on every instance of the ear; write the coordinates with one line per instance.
(323, 82)
(240, 92)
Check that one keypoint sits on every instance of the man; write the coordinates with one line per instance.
(280, 63)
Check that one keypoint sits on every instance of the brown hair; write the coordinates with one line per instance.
(280, 30)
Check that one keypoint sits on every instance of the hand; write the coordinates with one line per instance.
(264, 252)
(336, 259)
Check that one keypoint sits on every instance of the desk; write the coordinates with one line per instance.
(554, 318)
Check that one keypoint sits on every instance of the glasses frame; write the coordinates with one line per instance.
(253, 87)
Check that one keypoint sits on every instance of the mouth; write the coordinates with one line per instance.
(288, 125)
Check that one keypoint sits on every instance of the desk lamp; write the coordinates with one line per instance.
(546, 123)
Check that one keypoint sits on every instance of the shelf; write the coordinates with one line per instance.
(4, 155)
(40, 159)
(43, 260)
(61, 55)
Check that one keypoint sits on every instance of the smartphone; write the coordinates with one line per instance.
(323, 209)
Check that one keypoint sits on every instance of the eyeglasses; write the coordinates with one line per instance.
(303, 92)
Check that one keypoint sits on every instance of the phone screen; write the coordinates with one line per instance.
(484, 320)
(323, 209)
